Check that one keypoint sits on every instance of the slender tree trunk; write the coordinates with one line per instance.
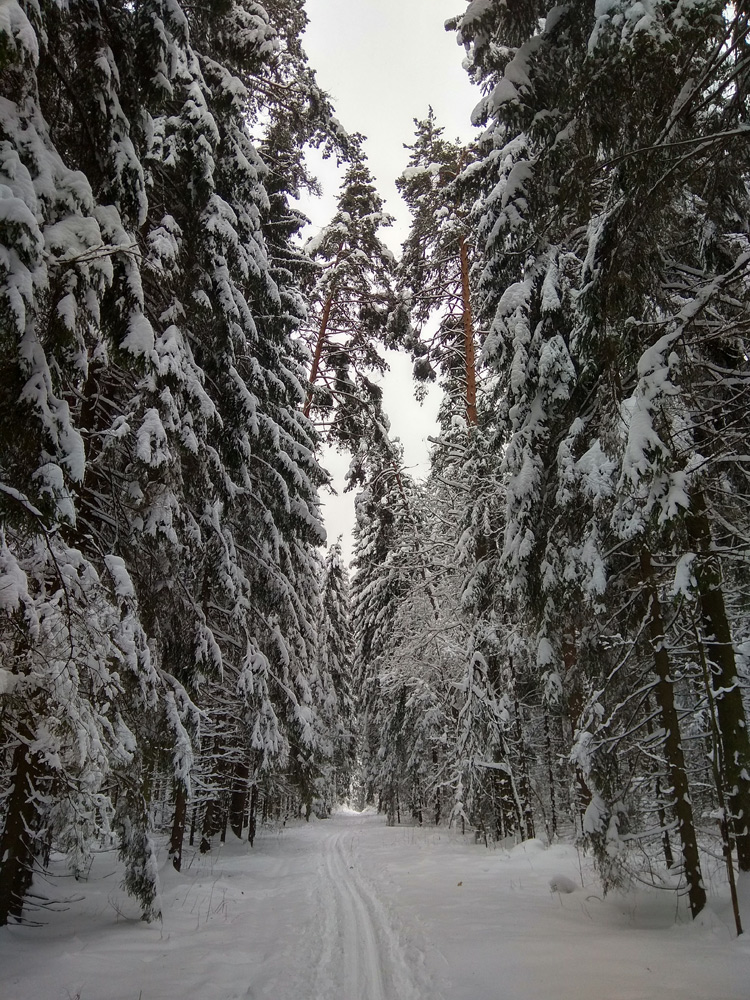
(211, 825)
(527, 811)
(575, 699)
(500, 821)
(516, 805)
(470, 361)
(390, 816)
(252, 818)
(665, 841)
(717, 766)
(239, 797)
(437, 791)
(17, 841)
(178, 826)
(725, 684)
(318, 354)
(550, 776)
(664, 690)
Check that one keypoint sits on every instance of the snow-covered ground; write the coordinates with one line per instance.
(349, 909)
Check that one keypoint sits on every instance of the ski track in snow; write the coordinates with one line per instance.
(362, 957)
(349, 909)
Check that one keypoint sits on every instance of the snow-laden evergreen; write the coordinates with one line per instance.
(592, 511)
(434, 271)
(549, 635)
(351, 302)
(159, 483)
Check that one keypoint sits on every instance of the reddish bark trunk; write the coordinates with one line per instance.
(318, 352)
(471, 377)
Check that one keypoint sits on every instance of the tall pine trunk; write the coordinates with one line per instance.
(548, 757)
(664, 690)
(252, 820)
(527, 813)
(178, 826)
(575, 701)
(468, 323)
(318, 353)
(725, 683)
(660, 810)
(238, 799)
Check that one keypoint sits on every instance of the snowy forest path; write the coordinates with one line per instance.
(362, 957)
(349, 908)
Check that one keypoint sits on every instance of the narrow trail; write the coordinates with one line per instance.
(349, 909)
(362, 956)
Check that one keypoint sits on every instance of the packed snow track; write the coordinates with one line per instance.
(350, 909)
(361, 957)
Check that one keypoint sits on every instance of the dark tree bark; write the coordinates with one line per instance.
(550, 777)
(211, 825)
(725, 684)
(239, 797)
(252, 817)
(17, 841)
(575, 700)
(527, 812)
(660, 811)
(664, 690)
(178, 826)
(318, 354)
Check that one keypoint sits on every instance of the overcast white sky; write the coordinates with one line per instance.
(384, 62)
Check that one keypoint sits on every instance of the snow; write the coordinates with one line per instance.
(350, 909)
(140, 336)
(52, 479)
(16, 28)
(13, 589)
(515, 185)
(152, 447)
(8, 680)
(475, 11)
(550, 299)
(596, 470)
(120, 577)
(684, 578)
(563, 884)
(554, 16)
(504, 93)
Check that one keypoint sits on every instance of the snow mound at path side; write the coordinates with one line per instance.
(561, 883)
(532, 846)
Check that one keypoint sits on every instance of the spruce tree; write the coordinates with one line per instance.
(160, 509)
(434, 271)
(335, 666)
(578, 289)
(351, 303)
